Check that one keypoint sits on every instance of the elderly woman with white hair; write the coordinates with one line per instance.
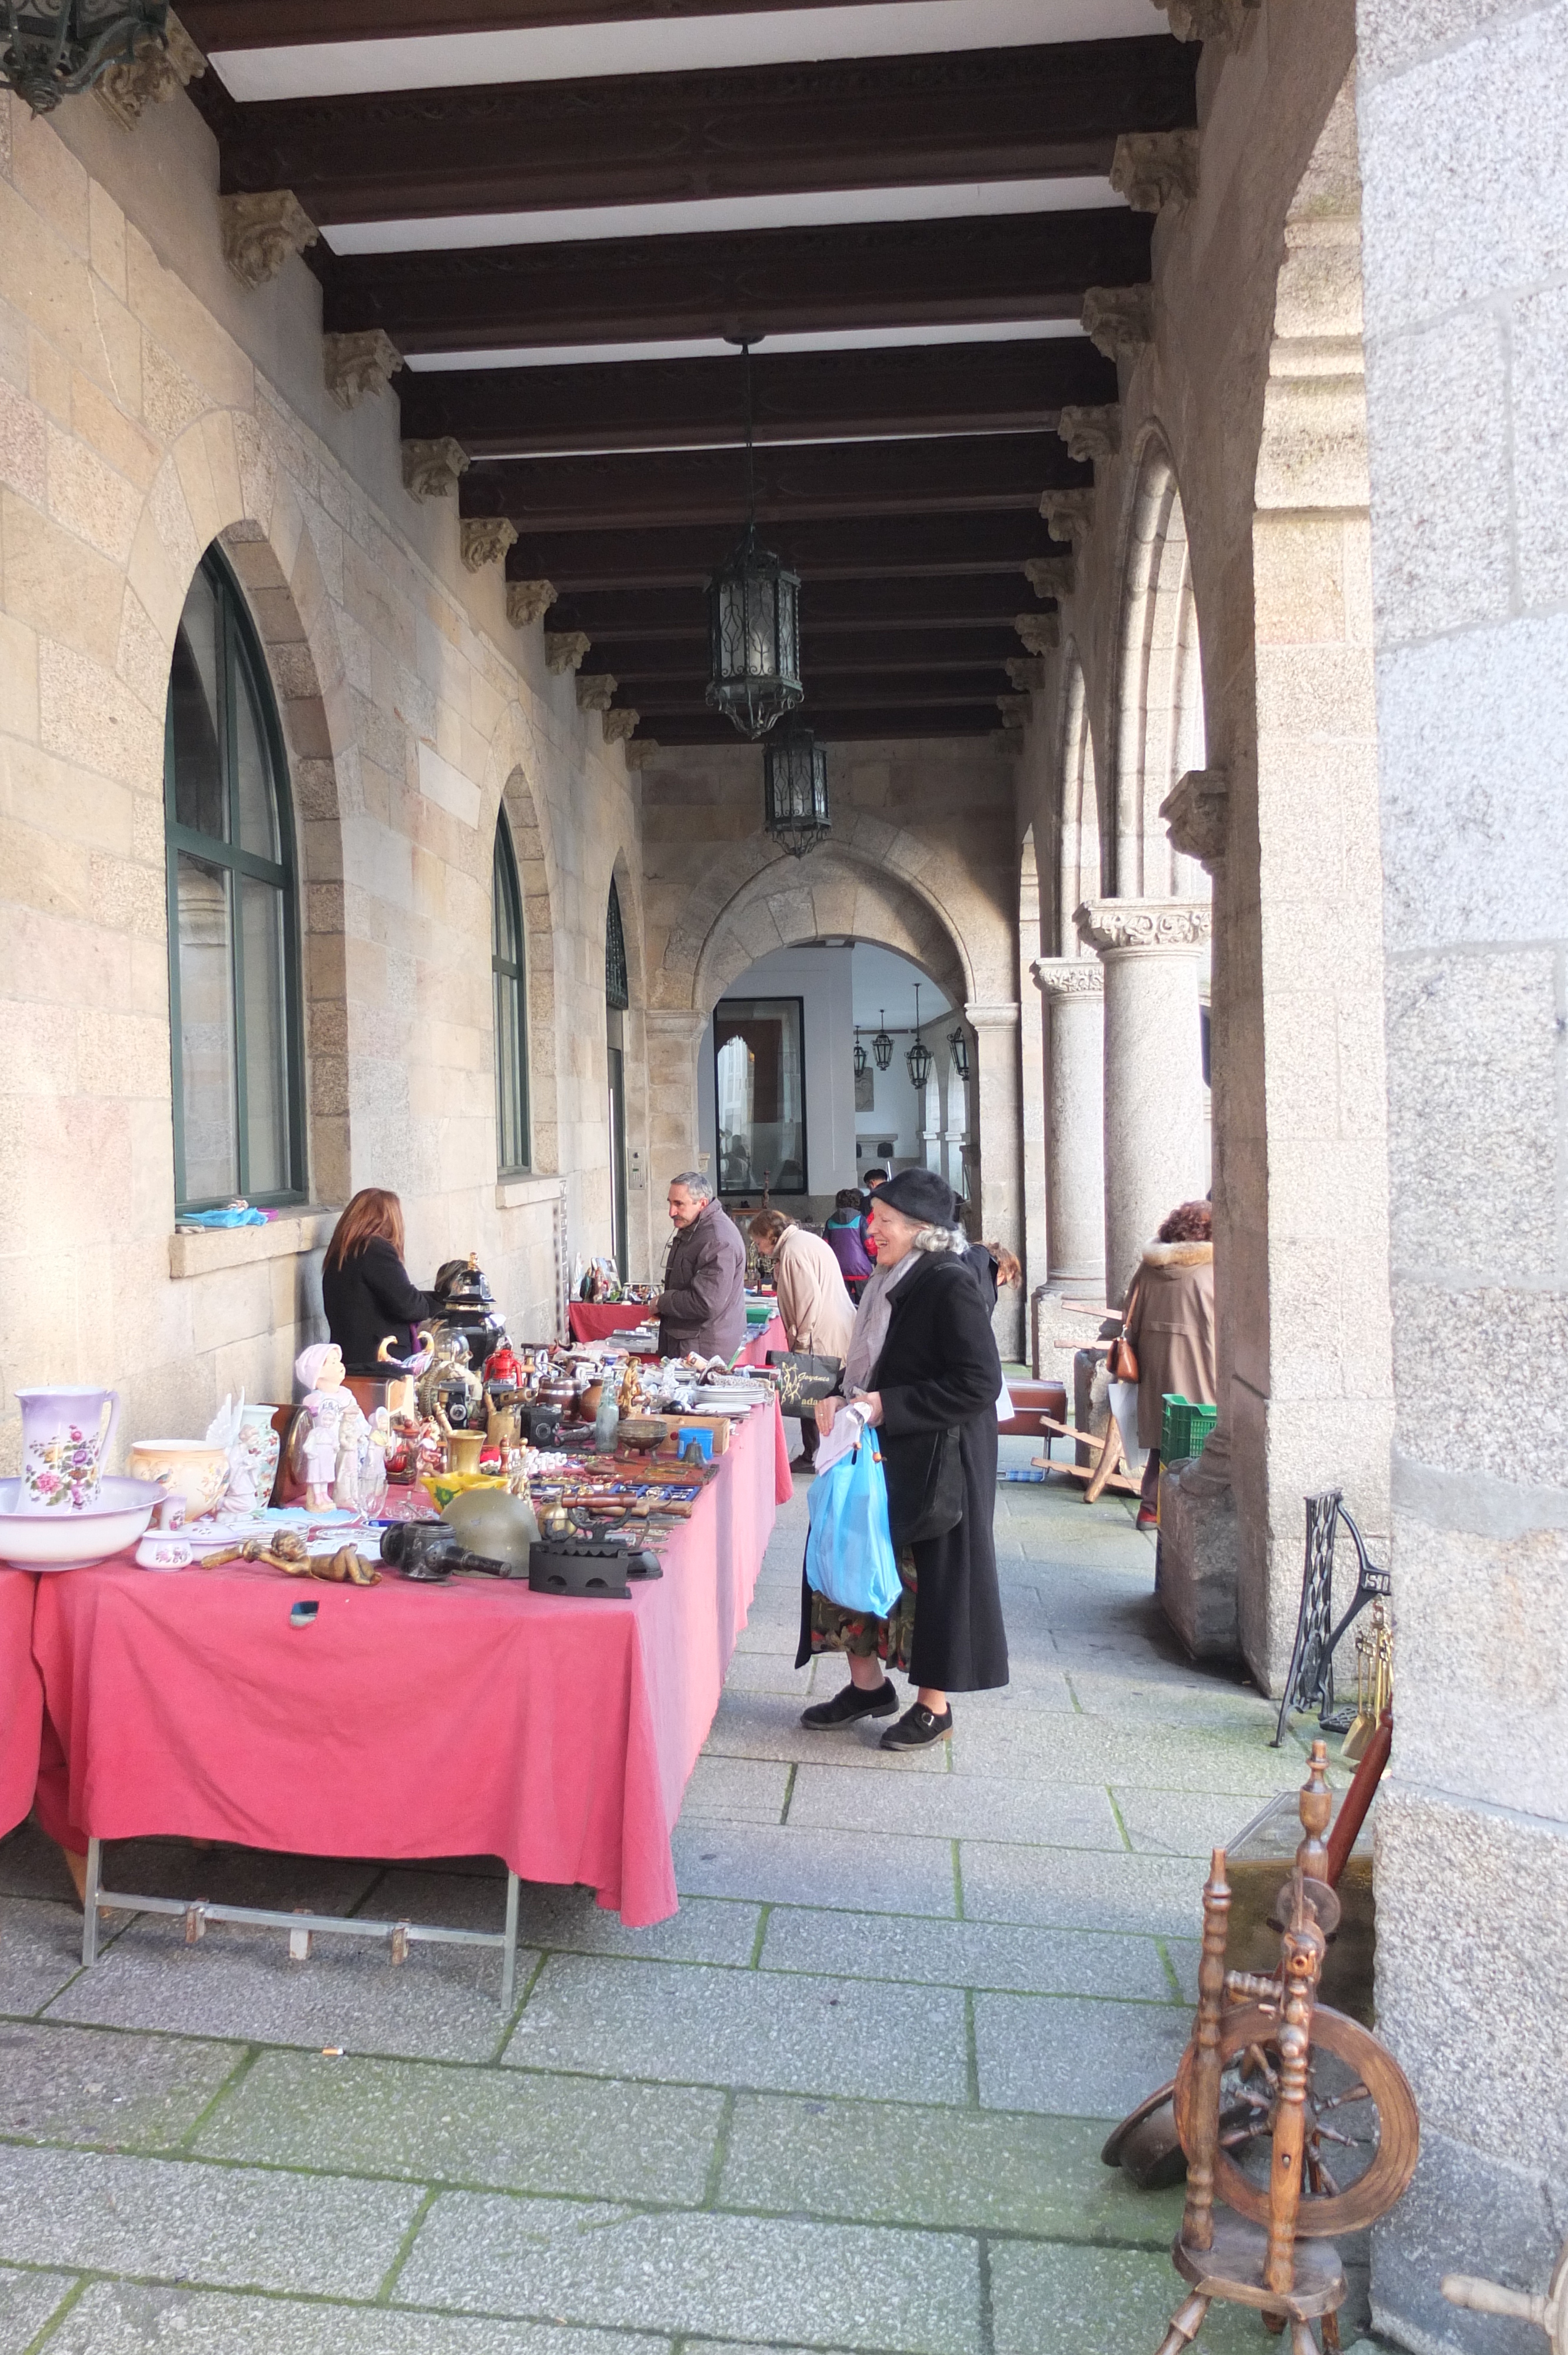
(923, 1360)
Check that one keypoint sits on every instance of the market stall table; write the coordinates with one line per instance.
(21, 1696)
(406, 1721)
(596, 1320)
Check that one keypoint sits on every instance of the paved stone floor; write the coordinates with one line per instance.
(852, 2097)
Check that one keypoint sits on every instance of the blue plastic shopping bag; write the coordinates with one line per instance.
(849, 1554)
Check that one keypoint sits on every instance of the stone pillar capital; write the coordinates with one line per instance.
(260, 231)
(618, 726)
(596, 690)
(1091, 433)
(431, 467)
(485, 540)
(1039, 632)
(1123, 928)
(1050, 576)
(158, 71)
(565, 649)
(1067, 514)
(357, 364)
(1069, 976)
(1155, 168)
(1002, 1016)
(1197, 815)
(528, 601)
(1025, 673)
(1119, 320)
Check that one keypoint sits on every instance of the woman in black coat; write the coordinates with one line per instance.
(925, 1360)
(365, 1288)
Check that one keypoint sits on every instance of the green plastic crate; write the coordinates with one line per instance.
(1184, 1427)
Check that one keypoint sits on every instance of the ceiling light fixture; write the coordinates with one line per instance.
(919, 1056)
(881, 1045)
(960, 1049)
(753, 620)
(55, 47)
(795, 789)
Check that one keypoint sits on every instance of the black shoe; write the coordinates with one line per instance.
(916, 1727)
(852, 1703)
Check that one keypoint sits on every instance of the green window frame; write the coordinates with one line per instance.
(508, 965)
(235, 1038)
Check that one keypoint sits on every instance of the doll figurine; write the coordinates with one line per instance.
(330, 1423)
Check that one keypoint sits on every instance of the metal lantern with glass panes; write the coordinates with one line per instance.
(881, 1045)
(55, 47)
(754, 621)
(795, 790)
(961, 1051)
(919, 1056)
(860, 1058)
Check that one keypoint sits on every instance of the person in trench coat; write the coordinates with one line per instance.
(817, 1312)
(1169, 1317)
(924, 1360)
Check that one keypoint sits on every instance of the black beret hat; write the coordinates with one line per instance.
(921, 1195)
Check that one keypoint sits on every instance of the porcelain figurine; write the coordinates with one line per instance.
(332, 1444)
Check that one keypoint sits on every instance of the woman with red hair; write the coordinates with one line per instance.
(365, 1288)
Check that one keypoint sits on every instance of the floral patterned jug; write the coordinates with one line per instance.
(65, 1439)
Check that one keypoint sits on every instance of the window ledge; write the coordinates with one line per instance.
(212, 1249)
(519, 1193)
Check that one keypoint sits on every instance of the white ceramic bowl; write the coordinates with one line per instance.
(75, 1540)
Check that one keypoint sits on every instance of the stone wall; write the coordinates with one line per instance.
(1461, 110)
(150, 405)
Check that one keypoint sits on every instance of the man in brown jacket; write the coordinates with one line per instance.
(703, 1304)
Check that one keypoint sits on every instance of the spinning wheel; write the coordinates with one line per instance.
(1359, 2125)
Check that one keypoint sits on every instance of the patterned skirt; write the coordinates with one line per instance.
(834, 1629)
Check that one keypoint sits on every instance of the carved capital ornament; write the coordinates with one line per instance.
(1050, 576)
(1155, 168)
(528, 601)
(1069, 976)
(619, 726)
(642, 752)
(1039, 632)
(565, 649)
(1067, 514)
(259, 232)
(1197, 815)
(1026, 673)
(485, 540)
(1119, 320)
(431, 468)
(595, 690)
(1143, 927)
(1091, 433)
(158, 71)
(354, 365)
(1219, 21)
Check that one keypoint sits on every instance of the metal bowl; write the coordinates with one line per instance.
(643, 1432)
(41, 1541)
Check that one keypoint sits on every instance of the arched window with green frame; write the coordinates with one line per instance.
(234, 950)
(508, 964)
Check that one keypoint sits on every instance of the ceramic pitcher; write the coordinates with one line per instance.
(65, 1439)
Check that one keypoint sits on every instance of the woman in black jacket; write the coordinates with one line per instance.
(925, 1360)
(365, 1289)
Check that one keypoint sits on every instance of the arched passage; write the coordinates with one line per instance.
(1159, 731)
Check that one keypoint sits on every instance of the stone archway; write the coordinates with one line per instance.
(1160, 733)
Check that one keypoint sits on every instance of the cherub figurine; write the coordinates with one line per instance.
(333, 1448)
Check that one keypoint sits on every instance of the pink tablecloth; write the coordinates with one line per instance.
(476, 1720)
(21, 1695)
(591, 1321)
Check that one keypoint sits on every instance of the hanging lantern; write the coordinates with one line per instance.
(795, 789)
(919, 1057)
(960, 1051)
(881, 1045)
(54, 47)
(860, 1055)
(754, 622)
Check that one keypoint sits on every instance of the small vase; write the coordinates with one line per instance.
(258, 1448)
(65, 1438)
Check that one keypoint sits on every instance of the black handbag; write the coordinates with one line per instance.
(924, 1485)
(803, 1378)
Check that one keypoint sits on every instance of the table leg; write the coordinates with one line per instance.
(509, 1950)
(89, 1906)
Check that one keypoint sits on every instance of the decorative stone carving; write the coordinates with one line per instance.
(1026, 673)
(1219, 21)
(430, 469)
(1039, 632)
(1119, 320)
(259, 232)
(1050, 576)
(1069, 976)
(565, 649)
(595, 690)
(1015, 709)
(1091, 433)
(619, 726)
(1155, 168)
(1197, 815)
(485, 540)
(642, 752)
(158, 71)
(354, 365)
(1116, 927)
(528, 601)
(1067, 514)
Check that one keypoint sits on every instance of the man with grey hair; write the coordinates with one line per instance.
(703, 1304)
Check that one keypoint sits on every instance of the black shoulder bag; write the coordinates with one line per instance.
(924, 1485)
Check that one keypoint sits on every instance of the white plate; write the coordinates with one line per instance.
(70, 1540)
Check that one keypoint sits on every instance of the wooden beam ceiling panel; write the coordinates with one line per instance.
(886, 274)
(836, 724)
(862, 690)
(657, 404)
(984, 602)
(282, 24)
(671, 138)
(886, 547)
(821, 654)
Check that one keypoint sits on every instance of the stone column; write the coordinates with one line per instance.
(672, 1036)
(1155, 1131)
(996, 1188)
(1074, 990)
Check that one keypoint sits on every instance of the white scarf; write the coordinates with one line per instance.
(871, 1322)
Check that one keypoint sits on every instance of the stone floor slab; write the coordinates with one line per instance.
(1031, 1748)
(228, 2226)
(870, 2163)
(1185, 1823)
(763, 2030)
(955, 1807)
(510, 2129)
(765, 1725)
(226, 1874)
(127, 2318)
(737, 1790)
(1051, 2300)
(90, 2085)
(964, 1953)
(26, 2302)
(781, 1865)
(1068, 2056)
(723, 2276)
(1087, 1889)
(555, 1916)
(40, 1954)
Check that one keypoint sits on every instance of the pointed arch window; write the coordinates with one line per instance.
(617, 988)
(234, 961)
(508, 965)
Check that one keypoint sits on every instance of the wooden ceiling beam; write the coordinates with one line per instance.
(671, 138)
(882, 548)
(1023, 266)
(657, 404)
(862, 690)
(980, 603)
(283, 24)
(821, 653)
(834, 724)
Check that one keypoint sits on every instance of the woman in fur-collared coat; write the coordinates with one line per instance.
(1169, 1320)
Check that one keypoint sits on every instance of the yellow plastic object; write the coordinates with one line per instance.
(442, 1487)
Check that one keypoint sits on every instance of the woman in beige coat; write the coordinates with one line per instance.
(1169, 1317)
(817, 1312)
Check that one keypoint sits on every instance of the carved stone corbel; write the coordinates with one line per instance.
(1155, 168)
(1015, 709)
(1039, 632)
(565, 649)
(1067, 514)
(1219, 21)
(1091, 433)
(430, 469)
(1142, 927)
(1197, 816)
(618, 726)
(485, 540)
(1050, 576)
(528, 601)
(259, 232)
(1026, 673)
(362, 362)
(158, 71)
(642, 752)
(595, 690)
(1119, 320)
